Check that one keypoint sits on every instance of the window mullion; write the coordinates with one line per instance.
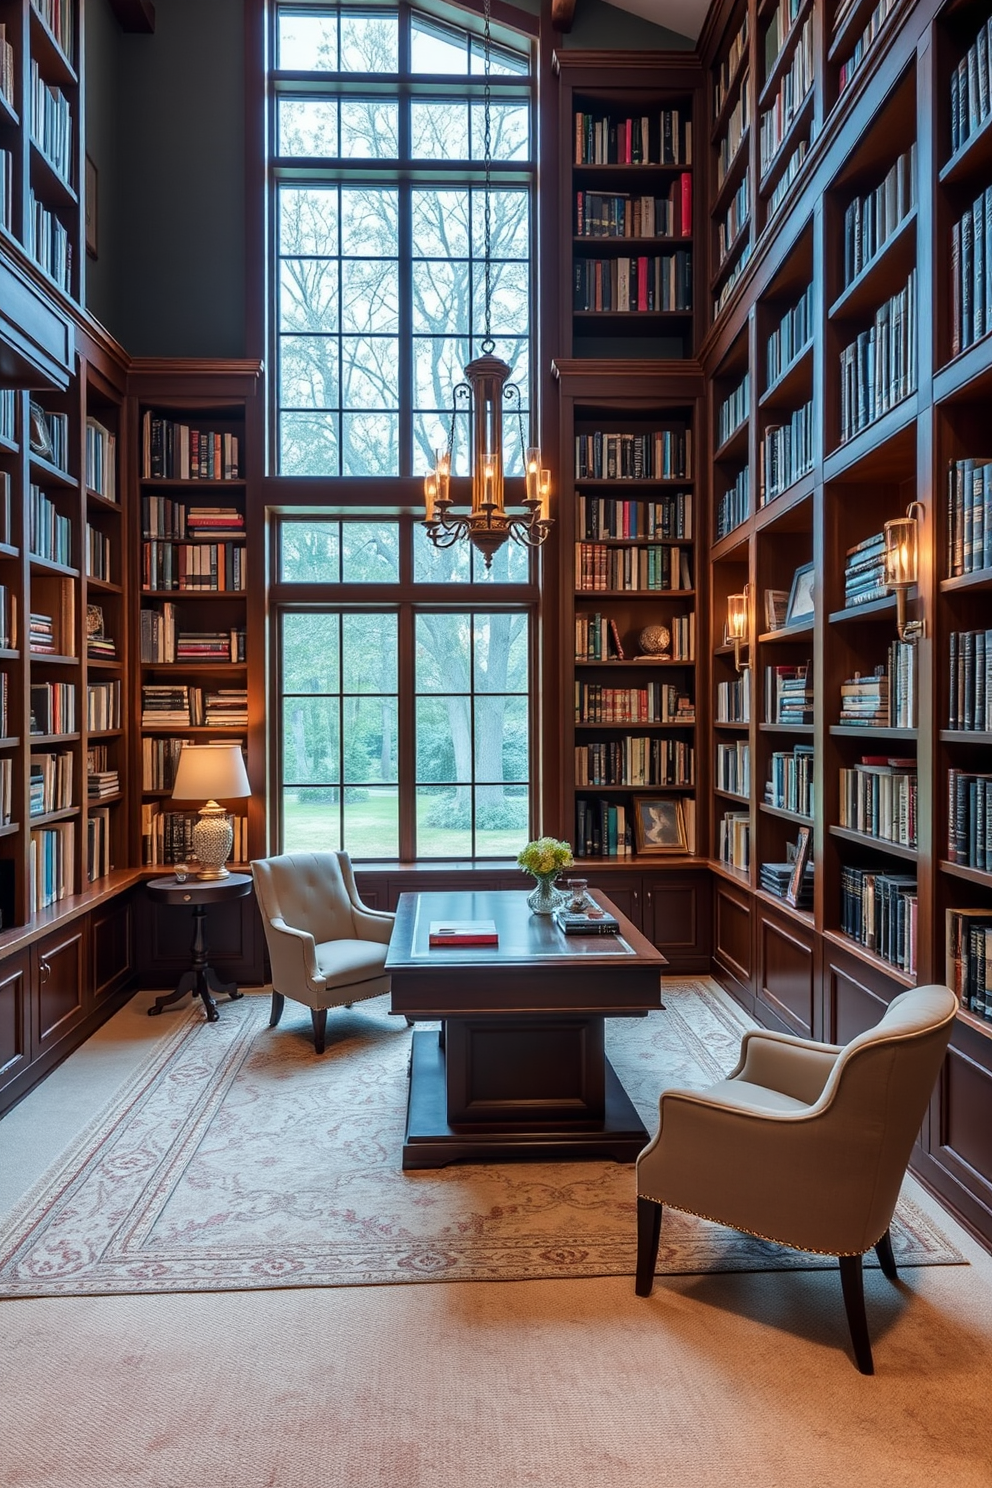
(407, 735)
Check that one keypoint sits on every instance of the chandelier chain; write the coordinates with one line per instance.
(488, 344)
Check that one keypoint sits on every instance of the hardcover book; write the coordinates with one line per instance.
(583, 923)
(463, 932)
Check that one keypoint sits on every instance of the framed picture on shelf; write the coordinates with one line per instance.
(804, 847)
(659, 825)
(776, 608)
(801, 596)
(39, 435)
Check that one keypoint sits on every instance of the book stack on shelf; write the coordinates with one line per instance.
(51, 124)
(886, 698)
(101, 459)
(734, 840)
(171, 450)
(864, 571)
(49, 532)
(600, 214)
(878, 369)
(725, 72)
(600, 568)
(865, 38)
(971, 89)
(734, 410)
(880, 912)
(98, 554)
(732, 224)
(209, 645)
(661, 281)
(664, 454)
(53, 708)
(971, 273)
(99, 646)
(158, 634)
(602, 830)
(607, 517)
(50, 783)
(968, 970)
(597, 639)
(969, 515)
(871, 220)
(733, 699)
(878, 798)
(969, 820)
(734, 506)
(791, 336)
(635, 761)
(657, 702)
(792, 92)
(604, 140)
(786, 453)
(51, 855)
(159, 760)
(789, 786)
(776, 879)
(103, 706)
(789, 695)
(970, 681)
(167, 836)
(733, 768)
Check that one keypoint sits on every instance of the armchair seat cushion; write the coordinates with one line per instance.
(343, 962)
(748, 1097)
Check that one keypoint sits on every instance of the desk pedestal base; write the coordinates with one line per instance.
(431, 1142)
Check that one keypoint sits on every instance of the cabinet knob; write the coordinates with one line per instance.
(634, 896)
(649, 896)
(45, 970)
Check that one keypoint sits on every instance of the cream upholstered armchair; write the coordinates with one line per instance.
(326, 949)
(803, 1143)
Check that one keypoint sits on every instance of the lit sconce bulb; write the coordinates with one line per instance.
(533, 475)
(442, 472)
(430, 496)
(545, 493)
(489, 479)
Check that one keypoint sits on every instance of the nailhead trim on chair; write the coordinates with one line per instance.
(774, 1239)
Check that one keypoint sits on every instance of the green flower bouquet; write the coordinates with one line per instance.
(544, 859)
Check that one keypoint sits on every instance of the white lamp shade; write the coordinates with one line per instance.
(210, 772)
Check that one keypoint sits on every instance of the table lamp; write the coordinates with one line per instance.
(211, 771)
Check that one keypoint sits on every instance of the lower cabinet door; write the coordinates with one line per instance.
(15, 1018)
(58, 977)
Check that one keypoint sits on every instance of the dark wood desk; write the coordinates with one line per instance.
(518, 1069)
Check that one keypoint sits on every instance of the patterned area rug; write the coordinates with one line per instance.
(235, 1158)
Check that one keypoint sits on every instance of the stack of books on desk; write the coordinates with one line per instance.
(586, 922)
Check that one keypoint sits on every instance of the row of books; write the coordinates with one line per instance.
(785, 180)
(734, 409)
(167, 836)
(607, 517)
(604, 829)
(49, 532)
(635, 761)
(619, 215)
(968, 953)
(792, 92)
(49, 783)
(864, 571)
(181, 521)
(887, 697)
(6, 790)
(49, 244)
(60, 18)
(726, 71)
(599, 568)
(7, 73)
(7, 190)
(730, 227)
(733, 699)
(879, 368)
(664, 454)
(733, 768)
(654, 702)
(970, 677)
(166, 706)
(102, 783)
(8, 619)
(777, 878)
(971, 88)
(969, 820)
(733, 137)
(789, 786)
(215, 566)
(786, 452)
(53, 708)
(876, 20)
(779, 26)
(634, 141)
(97, 553)
(879, 798)
(789, 694)
(871, 220)
(103, 706)
(969, 516)
(734, 506)
(51, 123)
(728, 284)
(660, 281)
(160, 757)
(98, 860)
(879, 911)
(101, 459)
(971, 273)
(51, 853)
(733, 839)
(793, 332)
(175, 451)
(211, 645)
(99, 646)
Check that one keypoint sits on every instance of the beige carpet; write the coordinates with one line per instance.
(234, 1158)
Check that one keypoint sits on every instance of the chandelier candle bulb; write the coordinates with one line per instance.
(430, 495)
(442, 477)
(545, 496)
(534, 474)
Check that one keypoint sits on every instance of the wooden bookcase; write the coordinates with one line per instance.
(807, 970)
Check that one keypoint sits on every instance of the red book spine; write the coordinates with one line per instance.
(642, 284)
(686, 204)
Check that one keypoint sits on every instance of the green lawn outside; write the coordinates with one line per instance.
(371, 832)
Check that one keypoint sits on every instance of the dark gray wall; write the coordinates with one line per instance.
(605, 27)
(102, 74)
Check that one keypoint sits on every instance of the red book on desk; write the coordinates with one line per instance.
(463, 932)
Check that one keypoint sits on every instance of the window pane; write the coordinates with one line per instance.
(308, 444)
(433, 565)
(438, 367)
(369, 222)
(441, 296)
(308, 43)
(440, 224)
(501, 744)
(308, 372)
(308, 294)
(369, 44)
(369, 733)
(511, 565)
(439, 131)
(370, 443)
(310, 640)
(311, 820)
(509, 125)
(501, 64)
(430, 434)
(308, 220)
(444, 821)
(371, 822)
(510, 223)
(443, 647)
(370, 554)
(370, 295)
(510, 295)
(369, 129)
(310, 741)
(500, 656)
(501, 820)
(369, 643)
(436, 50)
(444, 740)
(308, 127)
(370, 375)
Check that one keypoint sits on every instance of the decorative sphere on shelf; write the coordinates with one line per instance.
(654, 640)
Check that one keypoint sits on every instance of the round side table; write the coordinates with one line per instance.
(200, 979)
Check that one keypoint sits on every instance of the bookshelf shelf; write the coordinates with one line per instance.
(855, 731)
(731, 796)
(969, 875)
(791, 911)
(783, 815)
(980, 580)
(792, 382)
(974, 158)
(801, 730)
(964, 736)
(862, 953)
(876, 610)
(878, 844)
(891, 263)
(980, 1025)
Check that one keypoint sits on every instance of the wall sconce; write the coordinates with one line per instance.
(902, 567)
(737, 626)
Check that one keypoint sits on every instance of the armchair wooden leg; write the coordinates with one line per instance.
(319, 1019)
(648, 1235)
(278, 1003)
(852, 1281)
(886, 1259)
